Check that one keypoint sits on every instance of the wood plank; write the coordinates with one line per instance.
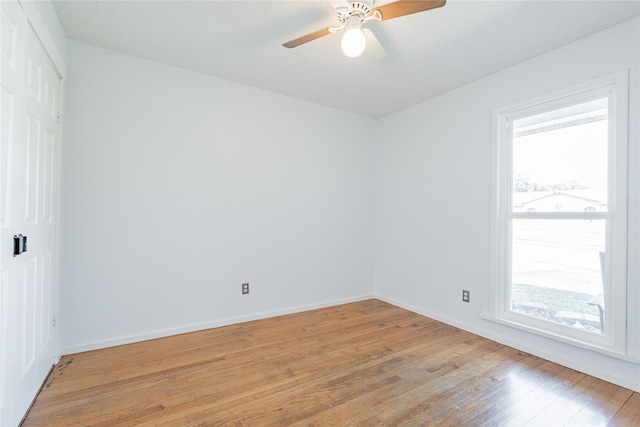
(367, 363)
(629, 414)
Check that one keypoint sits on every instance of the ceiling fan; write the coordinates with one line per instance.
(352, 18)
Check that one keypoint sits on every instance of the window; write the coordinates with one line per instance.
(559, 215)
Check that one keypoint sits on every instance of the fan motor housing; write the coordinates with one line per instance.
(364, 8)
(356, 8)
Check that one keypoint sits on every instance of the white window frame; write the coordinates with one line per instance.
(613, 339)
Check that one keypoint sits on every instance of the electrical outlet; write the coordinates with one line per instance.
(245, 288)
(465, 295)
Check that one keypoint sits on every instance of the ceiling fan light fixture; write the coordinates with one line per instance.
(353, 40)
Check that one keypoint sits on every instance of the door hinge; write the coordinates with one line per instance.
(53, 323)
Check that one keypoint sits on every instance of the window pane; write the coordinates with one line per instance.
(557, 271)
(560, 160)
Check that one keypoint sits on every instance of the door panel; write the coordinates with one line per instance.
(28, 304)
(30, 167)
(7, 110)
(4, 307)
(45, 299)
(45, 202)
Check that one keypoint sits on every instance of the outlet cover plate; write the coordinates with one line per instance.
(465, 295)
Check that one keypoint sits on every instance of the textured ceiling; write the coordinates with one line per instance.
(429, 53)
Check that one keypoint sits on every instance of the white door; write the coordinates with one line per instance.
(28, 207)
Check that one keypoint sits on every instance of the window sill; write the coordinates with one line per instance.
(562, 338)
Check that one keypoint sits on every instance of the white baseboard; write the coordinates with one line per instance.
(97, 345)
(606, 375)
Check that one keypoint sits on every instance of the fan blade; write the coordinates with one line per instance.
(407, 7)
(374, 49)
(305, 39)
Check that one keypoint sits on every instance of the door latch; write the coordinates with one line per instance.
(19, 244)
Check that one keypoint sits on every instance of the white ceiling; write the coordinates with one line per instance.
(429, 53)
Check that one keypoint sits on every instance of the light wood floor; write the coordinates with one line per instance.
(367, 363)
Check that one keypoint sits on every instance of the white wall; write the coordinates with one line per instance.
(434, 197)
(178, 187)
